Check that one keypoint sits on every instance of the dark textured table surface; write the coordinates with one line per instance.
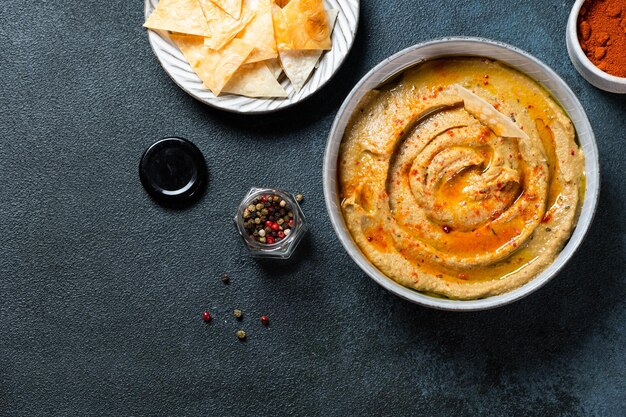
(101, 290)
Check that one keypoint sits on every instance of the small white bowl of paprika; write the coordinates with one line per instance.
(596, 43)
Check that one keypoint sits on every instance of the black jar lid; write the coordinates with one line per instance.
(173, 171)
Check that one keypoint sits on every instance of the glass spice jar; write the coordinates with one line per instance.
(261, 241)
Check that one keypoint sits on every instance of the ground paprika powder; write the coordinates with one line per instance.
(602, 34)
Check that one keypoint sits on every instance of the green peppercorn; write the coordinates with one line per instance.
(241, 335)
(238, 314)
(257, 220)
(259, 206)
(299, 197)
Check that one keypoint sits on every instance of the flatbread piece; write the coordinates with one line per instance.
(299, 65)
(302, 24)
(182, 16)
(214, 68)
(255, 80)
(222, 27)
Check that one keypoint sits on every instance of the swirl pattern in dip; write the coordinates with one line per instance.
(462, 179)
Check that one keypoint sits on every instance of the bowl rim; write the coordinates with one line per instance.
(572, 33)
(395, 65)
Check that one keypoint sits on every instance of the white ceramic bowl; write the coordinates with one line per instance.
(515, 58)
(583, 65)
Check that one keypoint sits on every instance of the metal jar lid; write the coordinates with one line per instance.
(173, 171)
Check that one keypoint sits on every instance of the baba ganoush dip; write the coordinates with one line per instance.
(461, 179)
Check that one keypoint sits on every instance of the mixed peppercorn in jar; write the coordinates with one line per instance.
(268, 219)
(270, 222)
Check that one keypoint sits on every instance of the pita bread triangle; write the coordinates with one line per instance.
(299, 65)
(274, 66)
(255, 80)
(182, 16)
(214, 68)
(222, 27)
(301, 24)
(488, 115)
(232, 7)
(260, 31)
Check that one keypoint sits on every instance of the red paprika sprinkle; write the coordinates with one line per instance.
(206, 316)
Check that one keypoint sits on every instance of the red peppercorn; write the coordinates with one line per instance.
(206, 316)
(268, 224)
(263, 199)
(274, 226)
(447, 229)
(265, 321)
(291, 223)
(281, 234)
(270, 240)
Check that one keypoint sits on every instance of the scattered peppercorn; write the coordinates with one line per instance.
(299, 198)
(226, 279)
(241, 335)
(206, 316)
(265, 321)
(268, 219)
(447, 229)
(238, 314)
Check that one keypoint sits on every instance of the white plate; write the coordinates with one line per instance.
(181, 73)
(462, 46)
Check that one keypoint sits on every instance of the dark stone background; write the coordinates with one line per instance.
(101, 290)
